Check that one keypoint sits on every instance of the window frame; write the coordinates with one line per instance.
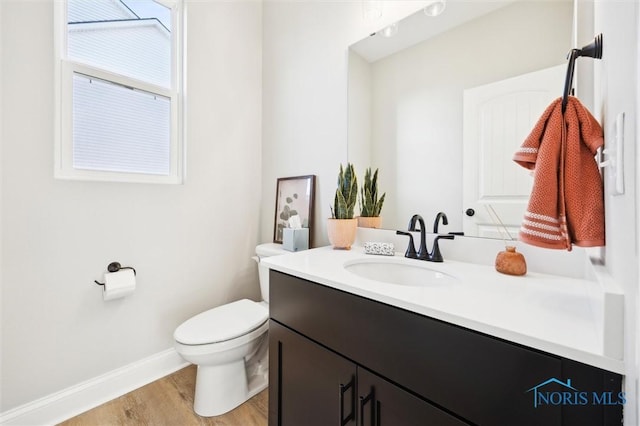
(64, 71)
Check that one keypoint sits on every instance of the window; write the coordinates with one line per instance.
(119, 93)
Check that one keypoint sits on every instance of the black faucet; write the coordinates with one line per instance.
(423, 253)
(445, 221)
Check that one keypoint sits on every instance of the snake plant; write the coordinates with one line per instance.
(346, 194)
(370, 205)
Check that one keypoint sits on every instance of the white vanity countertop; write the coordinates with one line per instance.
(546, 312)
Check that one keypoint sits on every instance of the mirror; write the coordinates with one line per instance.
(405, 96)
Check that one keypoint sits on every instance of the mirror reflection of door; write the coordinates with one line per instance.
(497, 118)
(406, 103)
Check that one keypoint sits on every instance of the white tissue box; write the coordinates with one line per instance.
(295, 239)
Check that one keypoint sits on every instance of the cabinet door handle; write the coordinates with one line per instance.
(364, 400)
(343, 389)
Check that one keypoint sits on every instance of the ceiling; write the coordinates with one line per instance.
(419, 27)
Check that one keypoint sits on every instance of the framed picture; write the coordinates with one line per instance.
(294, 196)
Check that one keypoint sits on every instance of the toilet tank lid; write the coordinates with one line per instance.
(223, 323)
(270, 249)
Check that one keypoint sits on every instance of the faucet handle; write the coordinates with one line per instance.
(436, 256)
(411, 249)
(449, 236)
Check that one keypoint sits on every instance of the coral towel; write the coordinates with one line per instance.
(566, 205)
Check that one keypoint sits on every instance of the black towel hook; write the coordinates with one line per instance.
(592, 50)
(115, 267)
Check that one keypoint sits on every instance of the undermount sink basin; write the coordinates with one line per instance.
(415, 273)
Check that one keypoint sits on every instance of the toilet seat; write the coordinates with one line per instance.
(223, 323)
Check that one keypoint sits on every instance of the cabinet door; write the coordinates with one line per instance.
(381, 403)
(309, 385)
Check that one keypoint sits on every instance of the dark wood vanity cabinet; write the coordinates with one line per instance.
(317, 387)
(340, 359)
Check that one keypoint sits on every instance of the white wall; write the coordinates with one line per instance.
(636, 305)
(359, 113)
(191, 244)
(1, 185)
(616, 80)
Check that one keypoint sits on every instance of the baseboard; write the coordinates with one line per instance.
(77, 399)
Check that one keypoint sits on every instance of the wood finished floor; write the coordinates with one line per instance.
(169, 401)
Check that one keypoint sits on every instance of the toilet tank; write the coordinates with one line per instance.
(262, 251)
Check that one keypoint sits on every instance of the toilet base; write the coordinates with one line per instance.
(221, 388)
(211, 399)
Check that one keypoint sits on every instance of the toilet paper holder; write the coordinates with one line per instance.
(115, 267)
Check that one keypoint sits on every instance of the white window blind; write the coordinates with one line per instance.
(119, 129)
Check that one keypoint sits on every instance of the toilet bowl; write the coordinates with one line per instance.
(229, 344)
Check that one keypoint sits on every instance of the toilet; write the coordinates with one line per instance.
(230, 346)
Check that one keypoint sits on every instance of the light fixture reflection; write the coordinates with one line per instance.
(390, 31)
(435, 8)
